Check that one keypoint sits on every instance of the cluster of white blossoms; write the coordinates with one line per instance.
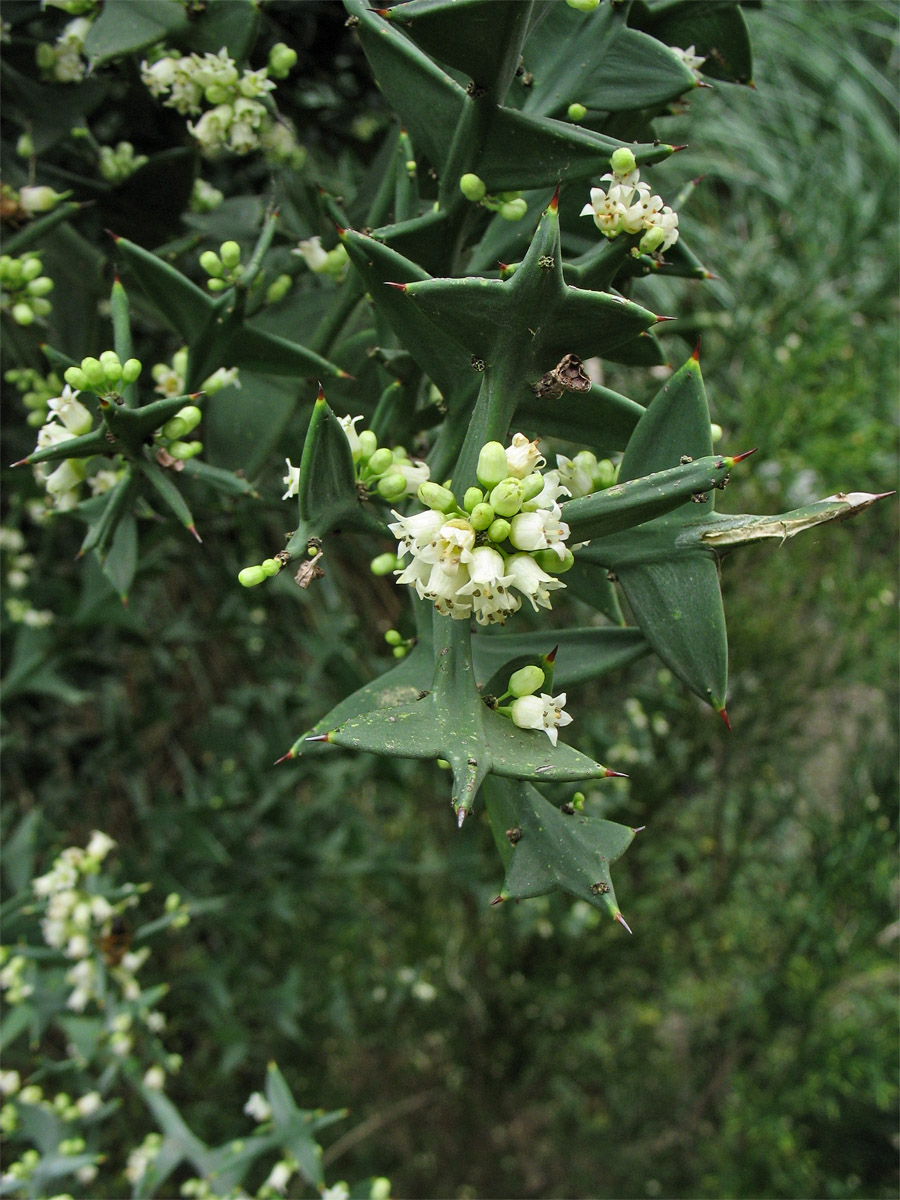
(628, 207)
(68, 418)
(228, 103)
(505, 541)
(63, 61)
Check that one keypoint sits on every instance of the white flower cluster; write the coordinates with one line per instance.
(323, 262)
(62, 62)
(585, 474)
(63, 482)
(692, 61)
(226, 101)
(120, 162)
(16, 571)
(479, 558)
(389, 473)
(628, 207)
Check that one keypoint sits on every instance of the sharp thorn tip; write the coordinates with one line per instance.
(618, 917)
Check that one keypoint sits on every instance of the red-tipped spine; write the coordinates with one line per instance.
(610, 774)
(193, 529)
(497, 900)
(724, 715)
(285, 757)
(617, 916)
(553, 206)
(320, 395)
(400, 286)
(736, 458)
(696, 355)
(319, 737)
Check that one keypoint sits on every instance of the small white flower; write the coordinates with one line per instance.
(488, 586)
(155, 1079)
(87, 1173)
(258, 1107)
(531, 580)
(312, 253)
(78, 947)
(89, 1103)
(159, 76)
(103, 482)
(692, 61)
(10, 1082)
(66, 478)
(414, 472)
(540, 530)
(211, 130)
(576, 478)
(338, 1192)
(348, 424)
(279, 1176)
(523, 457)
(292, 479)
(553, 488)
(100, 845)
(223, 378)
(541, 712)
(414, 533)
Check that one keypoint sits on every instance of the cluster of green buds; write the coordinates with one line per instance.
(531, 707)
(400, 646)
(170, 437)
(269, 567)
(224, 269)
(105, 375)
(507, 536)
(23, 288)
(388, 473)
(509, 205)
(585, 473)
(36, 390)
(120, 162)
(171, 379)
(204, 197)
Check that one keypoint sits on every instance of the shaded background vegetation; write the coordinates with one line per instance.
(743, 1042)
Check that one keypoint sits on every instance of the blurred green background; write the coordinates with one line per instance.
(744, 1042)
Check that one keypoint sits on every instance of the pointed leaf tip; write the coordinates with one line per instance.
(551, 657)
(638, 828)
(660, 320)
(401, 287)
(740, 457)
(320, 395)
(610, 774)
(724, 715)
(696, 355)
(21, 463)
(340, 230)
(553, 206)
(345, 375)
(319, 737)
(284, 757)
(675, 149)
(497, 900)
(115, 236)
(192, 528)
(461, 814)
(618, 917)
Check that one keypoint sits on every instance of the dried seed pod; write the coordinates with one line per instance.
(568, 375)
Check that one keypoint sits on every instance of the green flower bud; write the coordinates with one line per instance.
(25, 144)
(583, 5)
(278, 289)
(498, 531)
(335, 261)
(434, 496)
(185, 450)
(604, 475)
(109, 356)
(622, 160)
(549, 561)
(251, 576)
(40, 307)
(282, 59)
(380, 461)
(576, 112)
(578, 801)
(481, 517)
(131, 369)
(526, 681)
(652, 240)
(399, 652)
(217, 285)
(504, 196)
(112, 371)
(212, 264)
(42, 286)
(472, 497)
(231, 254)
(393, 637)
(93, 368)
(22, 313)
(368, 444)
(508, 497)
(492, 465)
(391, 486)
(715, 433)
(76, 378)
(513, 210)
(216, 93)
(384, 564)
(533, 485)
(31, 268)
(271, 566)
(472, 187)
